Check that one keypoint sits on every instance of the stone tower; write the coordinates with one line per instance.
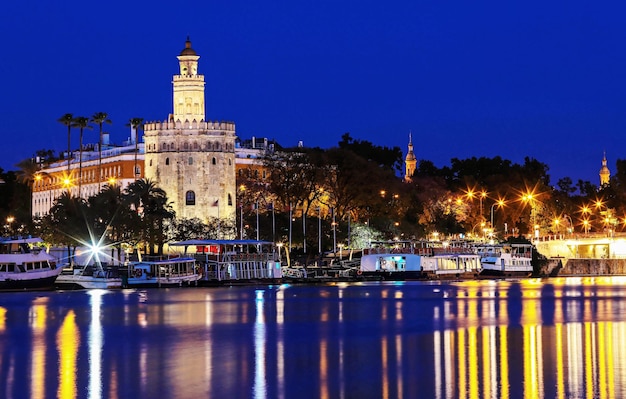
(191, 159)
(410, 161)
(605, 173)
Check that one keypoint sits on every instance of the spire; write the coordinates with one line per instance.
(605, 173)
(410, 161)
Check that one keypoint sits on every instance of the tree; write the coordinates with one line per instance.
(152, 208)
(137, 124)
(68, 120)
(82, 123)
(66, 223)
(100, 118)
(28, 171)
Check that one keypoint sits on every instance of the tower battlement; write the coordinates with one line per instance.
(189, 125)
(187, 78)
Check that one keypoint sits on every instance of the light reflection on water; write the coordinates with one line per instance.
(561, 338)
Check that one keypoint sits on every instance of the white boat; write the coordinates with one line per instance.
(229, 261)
(166, 272)
(25, 266)
(89, 277)
(404, 260)
(506, 260)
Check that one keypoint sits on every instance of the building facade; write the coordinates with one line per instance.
(67, 176)
(190, 158)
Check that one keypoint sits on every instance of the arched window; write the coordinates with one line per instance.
(167, 161)
(190, 198)
(214, 161)
(190, 161)
(151, 162)
(230, 200)
(229, 162)
(195, 145)
(186, 146)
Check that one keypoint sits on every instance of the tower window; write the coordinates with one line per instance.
(167, 161)
(230, 200)
(190, 198)
(214, 161)
(190, 161)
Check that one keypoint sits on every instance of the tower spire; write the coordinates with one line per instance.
(410, 161)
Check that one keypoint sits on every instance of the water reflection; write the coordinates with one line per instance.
(529, 339)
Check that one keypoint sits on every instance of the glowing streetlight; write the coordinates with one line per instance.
(586, 225)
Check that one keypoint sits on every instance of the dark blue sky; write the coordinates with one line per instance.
(483, 78)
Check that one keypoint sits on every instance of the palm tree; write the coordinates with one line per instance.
(100, 118)
(82, 123)
(28, 171)
(68, 120)
(151, 204)
(136, 123)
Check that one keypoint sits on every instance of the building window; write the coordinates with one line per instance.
(190, 198)
(151, 162)
(186, 146)
(230, 200)
(167, 161)
(214, 161)
(190, 161)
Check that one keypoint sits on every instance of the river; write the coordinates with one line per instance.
(531, 338)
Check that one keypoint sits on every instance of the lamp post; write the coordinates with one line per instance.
(499, 203)
(483, 195)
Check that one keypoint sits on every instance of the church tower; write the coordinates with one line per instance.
(191, 159)
(605, 173)
(410, 161)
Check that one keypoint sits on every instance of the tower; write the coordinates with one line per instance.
(191, 159)
(605, 173)
(410, 161)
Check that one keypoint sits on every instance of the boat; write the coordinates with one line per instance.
(90, 277)
(24, 265)
(506, 260)
(234, 261)
(406, 260)
(163, 272)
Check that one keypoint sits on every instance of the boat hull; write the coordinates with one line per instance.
(163, 282)
(40, 283)
(86, 282)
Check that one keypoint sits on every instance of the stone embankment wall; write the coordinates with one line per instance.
(581, 267)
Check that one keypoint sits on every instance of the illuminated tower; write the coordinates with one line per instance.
(605, 173)
(410, 161)
(191, 159)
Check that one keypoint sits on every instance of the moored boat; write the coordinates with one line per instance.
(89, 277)
(234, 261)
(163, 272)
(26, 266)
(506, 260)
(405, 260)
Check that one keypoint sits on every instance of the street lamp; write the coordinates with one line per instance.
(586, 224)
(499, 203)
